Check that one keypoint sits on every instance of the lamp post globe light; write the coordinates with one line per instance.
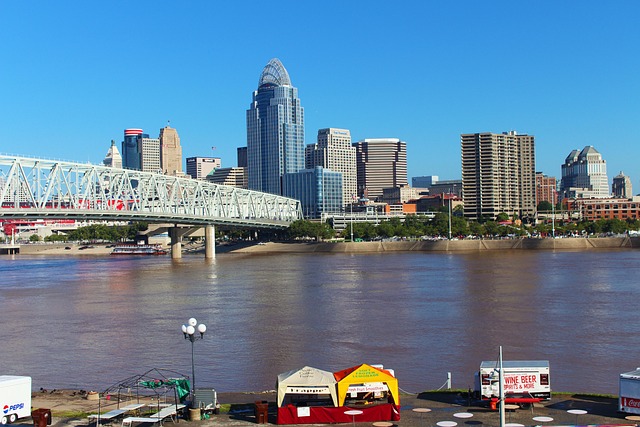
(189, 330)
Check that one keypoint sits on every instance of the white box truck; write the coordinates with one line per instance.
(15, 398)
(629, 396)
(521, 378)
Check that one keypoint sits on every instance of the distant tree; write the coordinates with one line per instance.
(34, 238)
(545, 206)
(476, 229)
(502, 216)
(55, 238)
(492, 228)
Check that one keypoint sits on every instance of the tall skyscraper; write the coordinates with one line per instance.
(170, 152)
(498, 174)
(380, 163)
(201, 167)
(622, 187)
(275, 130)
(113, 158)
(584, 175)
(131, 155)
(333, 150)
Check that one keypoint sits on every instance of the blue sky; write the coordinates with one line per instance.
(75, 74)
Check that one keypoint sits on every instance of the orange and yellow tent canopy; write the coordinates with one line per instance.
(364, 374)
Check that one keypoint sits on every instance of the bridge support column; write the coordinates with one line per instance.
(176, 242)
(209, 242)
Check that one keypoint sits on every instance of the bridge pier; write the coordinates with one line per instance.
(175, 233)
(209, 242)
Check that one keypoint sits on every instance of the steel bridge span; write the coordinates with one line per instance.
(38, 188)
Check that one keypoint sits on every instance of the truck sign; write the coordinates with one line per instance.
(15, 398)
(519, 377)
(629, 400)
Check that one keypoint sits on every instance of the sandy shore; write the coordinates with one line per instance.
(443, 405)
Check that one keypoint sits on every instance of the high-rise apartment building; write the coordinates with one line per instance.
(584, 175)
(113, 158)
(333, 150)
(498, 174)
(380, 163)
(201, 167)
(622, 186)
(546, 189)
(275, 130)
(170, 152)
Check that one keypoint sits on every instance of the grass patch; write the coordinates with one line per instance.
(69, 414)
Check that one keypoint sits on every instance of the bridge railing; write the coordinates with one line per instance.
(31, 187)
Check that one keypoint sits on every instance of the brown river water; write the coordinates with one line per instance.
(89, 322)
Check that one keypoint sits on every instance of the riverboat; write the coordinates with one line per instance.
(138, 250)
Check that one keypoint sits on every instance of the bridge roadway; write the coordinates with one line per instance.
(32, 188)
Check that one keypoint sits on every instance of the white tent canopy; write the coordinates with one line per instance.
(307, 380)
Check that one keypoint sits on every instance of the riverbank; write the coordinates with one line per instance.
(70, 408)
(573, 244)
(570, 244)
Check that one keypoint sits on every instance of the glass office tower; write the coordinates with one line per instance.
(131, 153)
(275, 130)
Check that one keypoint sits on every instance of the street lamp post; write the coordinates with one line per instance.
(501, 391)
(351, 216)
(500, 373)
(553, 207)
(189, 332)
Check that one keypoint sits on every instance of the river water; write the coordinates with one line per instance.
(88, 322)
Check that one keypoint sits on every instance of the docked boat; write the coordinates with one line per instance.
(139, 250)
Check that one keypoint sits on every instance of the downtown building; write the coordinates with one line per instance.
(201, 167)
(621, 186)
(234, 177)
(380, 163)
(113, 159)
(157, 155)
(275, 130)
(333, 150)
(319, 191)
(546, 189)
(584, 175)
(498, 175)
(170, 152)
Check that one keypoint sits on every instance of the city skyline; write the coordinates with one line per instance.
(418, 71)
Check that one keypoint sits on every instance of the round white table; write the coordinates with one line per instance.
(463, 415)
(513, 425)
(421, 411)
(576, 412)
(510, 407)
(353, 413)
(543, 419)
(446, 424)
